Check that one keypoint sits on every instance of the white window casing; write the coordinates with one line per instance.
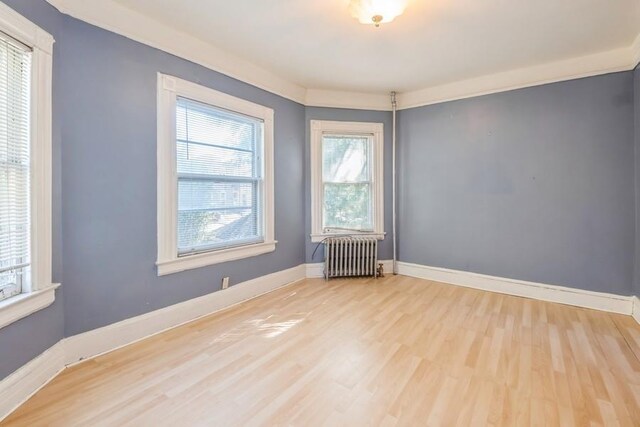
(170, 89)
(375, 131)
(38, 292)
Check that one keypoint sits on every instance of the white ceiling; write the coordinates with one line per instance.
(317, 44)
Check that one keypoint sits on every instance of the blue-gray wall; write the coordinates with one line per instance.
(109, 180)
(347, 115)
(25, 339)
(105, 185)
(534, 184)
(636, 115)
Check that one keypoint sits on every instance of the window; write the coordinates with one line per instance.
(347, 179)
(215, 177)
(25, 167)
(15, 78)
(219, 157)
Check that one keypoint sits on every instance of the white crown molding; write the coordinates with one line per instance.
(342, 99)
(559, 294)
(568, 69)
(114, 17)
(635, 52)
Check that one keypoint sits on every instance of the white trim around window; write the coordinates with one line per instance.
(39, 292)
(169, 89)
(319, 128)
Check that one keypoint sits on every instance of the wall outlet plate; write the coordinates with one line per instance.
(225, 282)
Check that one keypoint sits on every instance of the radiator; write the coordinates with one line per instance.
(350, 257)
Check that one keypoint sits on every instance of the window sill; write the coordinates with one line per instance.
(19, 306)
(317, 238)
(215, 257)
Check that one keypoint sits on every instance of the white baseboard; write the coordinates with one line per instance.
(636, 309)
(316, 270)
(26, 381)
(560, 294)
(18, 387)
(103, 340)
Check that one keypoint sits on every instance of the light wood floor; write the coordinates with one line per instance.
(397, 351)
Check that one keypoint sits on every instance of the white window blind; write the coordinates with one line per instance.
(219, 167)
(15, 72)
(347, 183)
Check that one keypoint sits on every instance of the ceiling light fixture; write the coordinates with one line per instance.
(376, 12)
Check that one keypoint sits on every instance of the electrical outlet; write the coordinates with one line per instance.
(225, 282)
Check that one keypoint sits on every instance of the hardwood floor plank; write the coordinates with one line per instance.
(394, 351)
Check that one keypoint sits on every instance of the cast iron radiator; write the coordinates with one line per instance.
(350, 257)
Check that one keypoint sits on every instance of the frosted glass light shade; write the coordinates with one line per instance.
(376, 11)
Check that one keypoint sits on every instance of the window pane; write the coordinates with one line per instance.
(214, 214)
(216, 148)
(15, 66)
(206, 124)
(345, 158)
(211, 160)
(348, 206)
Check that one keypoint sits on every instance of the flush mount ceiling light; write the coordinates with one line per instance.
(376, 12)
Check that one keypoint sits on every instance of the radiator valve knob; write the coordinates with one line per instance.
(380, 272)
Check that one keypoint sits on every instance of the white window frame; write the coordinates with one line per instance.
(40, 291)
(168, 262)
(324, 127)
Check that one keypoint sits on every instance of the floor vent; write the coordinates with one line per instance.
(350, 257)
